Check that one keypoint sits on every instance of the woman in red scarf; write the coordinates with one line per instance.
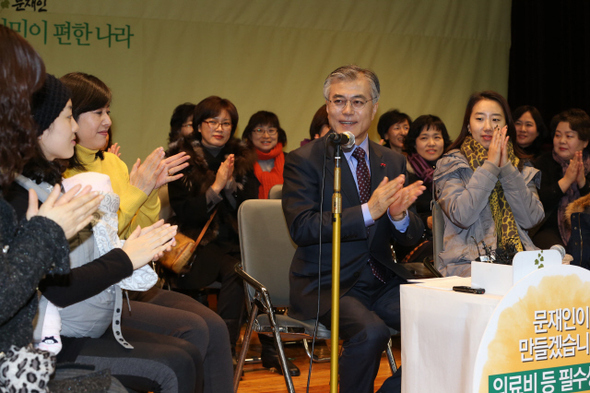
(265, 135)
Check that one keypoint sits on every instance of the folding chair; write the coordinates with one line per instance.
(267, 251)
(276, 192)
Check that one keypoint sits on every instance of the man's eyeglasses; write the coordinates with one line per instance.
(269, 131)
(356, 103)
(214, 124)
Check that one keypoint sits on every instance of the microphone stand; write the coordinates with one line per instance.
(336, 227)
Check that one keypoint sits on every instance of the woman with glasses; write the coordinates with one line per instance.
(265, 135)
(220, 176)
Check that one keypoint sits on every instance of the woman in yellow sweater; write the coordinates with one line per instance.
(139, 189)
(156, 311)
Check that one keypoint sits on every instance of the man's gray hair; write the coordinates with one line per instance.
(351, 73)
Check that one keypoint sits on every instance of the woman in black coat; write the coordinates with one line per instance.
(219, 178)
(565, 175)
(38, 245)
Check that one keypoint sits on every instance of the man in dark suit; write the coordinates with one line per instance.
(375, 209)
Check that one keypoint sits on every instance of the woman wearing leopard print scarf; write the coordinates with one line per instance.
(486, 187)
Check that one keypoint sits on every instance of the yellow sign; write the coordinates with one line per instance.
(538, 338)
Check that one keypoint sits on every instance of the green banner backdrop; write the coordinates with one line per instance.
(268, 55)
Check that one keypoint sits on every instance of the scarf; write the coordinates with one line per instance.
(571, 195)
(423, 169)
(506, 228)
(275, 176)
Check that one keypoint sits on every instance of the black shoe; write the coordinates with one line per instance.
(392, 384)
(271, 361)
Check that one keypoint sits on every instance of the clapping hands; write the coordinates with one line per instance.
(156, 171)
(574, 173)
(114, 149)
(498, 150)
(394, 196)
(224, 175)
(150, 243)
(72, 211)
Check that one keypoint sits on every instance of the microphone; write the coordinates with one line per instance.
(345, 139)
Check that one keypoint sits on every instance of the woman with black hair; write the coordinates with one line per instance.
(486, 188)
(265, 135)
(181, 122)
(37, 245)
(319, 125)
(566, 174)
(91, 99)
(531, 131)
(424, 145)
(154, 311)
(88, 290)
(393, 126)
(220, 176)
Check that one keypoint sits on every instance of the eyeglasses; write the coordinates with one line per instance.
(270, 131)
(214, 124)
(188, 124)
(356, 103)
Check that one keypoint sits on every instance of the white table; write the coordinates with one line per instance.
(441, 331)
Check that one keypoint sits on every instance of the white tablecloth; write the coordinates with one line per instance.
(441, 331)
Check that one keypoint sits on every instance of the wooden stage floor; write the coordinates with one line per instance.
(257, 379)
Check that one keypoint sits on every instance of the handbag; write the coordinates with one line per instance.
(179, 257)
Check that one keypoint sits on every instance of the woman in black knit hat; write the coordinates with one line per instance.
(154, 361)
(36, 246)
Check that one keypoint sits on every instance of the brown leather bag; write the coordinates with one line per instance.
(179, 259)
